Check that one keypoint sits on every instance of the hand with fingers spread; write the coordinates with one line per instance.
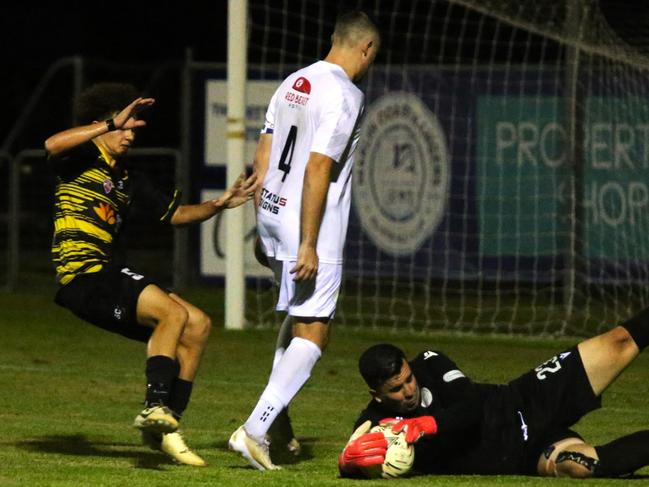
(415, 428)
(363, 450)
(128, 119)
(240, 192)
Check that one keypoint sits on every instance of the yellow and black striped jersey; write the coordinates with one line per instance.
(91, 202)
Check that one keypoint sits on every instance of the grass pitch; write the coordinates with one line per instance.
(69, 393)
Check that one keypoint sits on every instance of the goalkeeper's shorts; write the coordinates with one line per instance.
(556, 394)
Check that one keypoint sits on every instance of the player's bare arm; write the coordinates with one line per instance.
(314, 197)
(260, 164)
(239, 193)
(73, 137)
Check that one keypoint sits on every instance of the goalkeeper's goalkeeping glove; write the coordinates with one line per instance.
(362, 450)
(415, 427)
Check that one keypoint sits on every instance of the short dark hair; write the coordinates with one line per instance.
(102, 100)
(379, 363)
(350, 25)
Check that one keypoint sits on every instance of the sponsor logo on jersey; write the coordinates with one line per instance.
(108, 186)
(294, 99)
(105, 212)
(401, 173)
(428, 354)
(271, 202)
(302, 85)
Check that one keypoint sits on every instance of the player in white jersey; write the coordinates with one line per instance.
(304, 157)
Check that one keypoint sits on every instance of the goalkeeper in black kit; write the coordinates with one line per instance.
(520, 428)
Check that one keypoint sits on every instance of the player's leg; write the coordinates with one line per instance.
(624, 455)
(288, 377)
(193, 339)
(156, 309)
(569, 457)
(607, 355)
(315, 299)
(190, 349)
(310, 305)
(281, 431)
(572, 457)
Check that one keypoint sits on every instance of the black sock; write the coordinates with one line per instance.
(160, 373)
(638, 328)
(181, 390)
(624, 455)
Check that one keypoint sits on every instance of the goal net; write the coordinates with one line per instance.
(501, 179)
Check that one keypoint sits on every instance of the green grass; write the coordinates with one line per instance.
(69, 392)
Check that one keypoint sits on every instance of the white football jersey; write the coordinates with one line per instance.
(315, 109)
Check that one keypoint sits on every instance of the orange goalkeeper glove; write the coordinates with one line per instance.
(363, 450)
(415, 427)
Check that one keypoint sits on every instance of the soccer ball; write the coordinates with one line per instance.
(399, 456)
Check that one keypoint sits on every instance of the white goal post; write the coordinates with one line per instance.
(236, 87)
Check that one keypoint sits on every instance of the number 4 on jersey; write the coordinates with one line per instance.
(287, 156)
(287, 152)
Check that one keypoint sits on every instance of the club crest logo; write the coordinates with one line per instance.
(401, 173)
(108, 186)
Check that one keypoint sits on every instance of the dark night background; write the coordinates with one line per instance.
(150, 39)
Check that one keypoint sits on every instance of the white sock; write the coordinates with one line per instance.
(286, 379)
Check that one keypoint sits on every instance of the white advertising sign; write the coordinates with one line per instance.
(258, 94)
(213, 240)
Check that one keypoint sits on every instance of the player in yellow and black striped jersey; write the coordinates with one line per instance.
(90, 204)
(93, 197)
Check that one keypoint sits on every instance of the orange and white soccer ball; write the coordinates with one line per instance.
(399, 457)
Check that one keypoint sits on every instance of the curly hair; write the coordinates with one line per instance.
(102, 100)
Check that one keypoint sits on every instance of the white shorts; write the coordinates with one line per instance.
(314, 298)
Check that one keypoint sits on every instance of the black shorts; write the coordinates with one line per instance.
(107, 299)
(554, 396)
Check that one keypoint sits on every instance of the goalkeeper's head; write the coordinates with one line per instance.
(387, 373)
(356, 38)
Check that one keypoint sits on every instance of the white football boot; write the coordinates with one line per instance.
(156, 419)
(256, 453)
(173, 444)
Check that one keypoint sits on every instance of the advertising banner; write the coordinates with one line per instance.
(466, 175)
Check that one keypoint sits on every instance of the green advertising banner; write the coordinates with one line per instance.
(616, 197)
(522, 171)
(521, 164)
